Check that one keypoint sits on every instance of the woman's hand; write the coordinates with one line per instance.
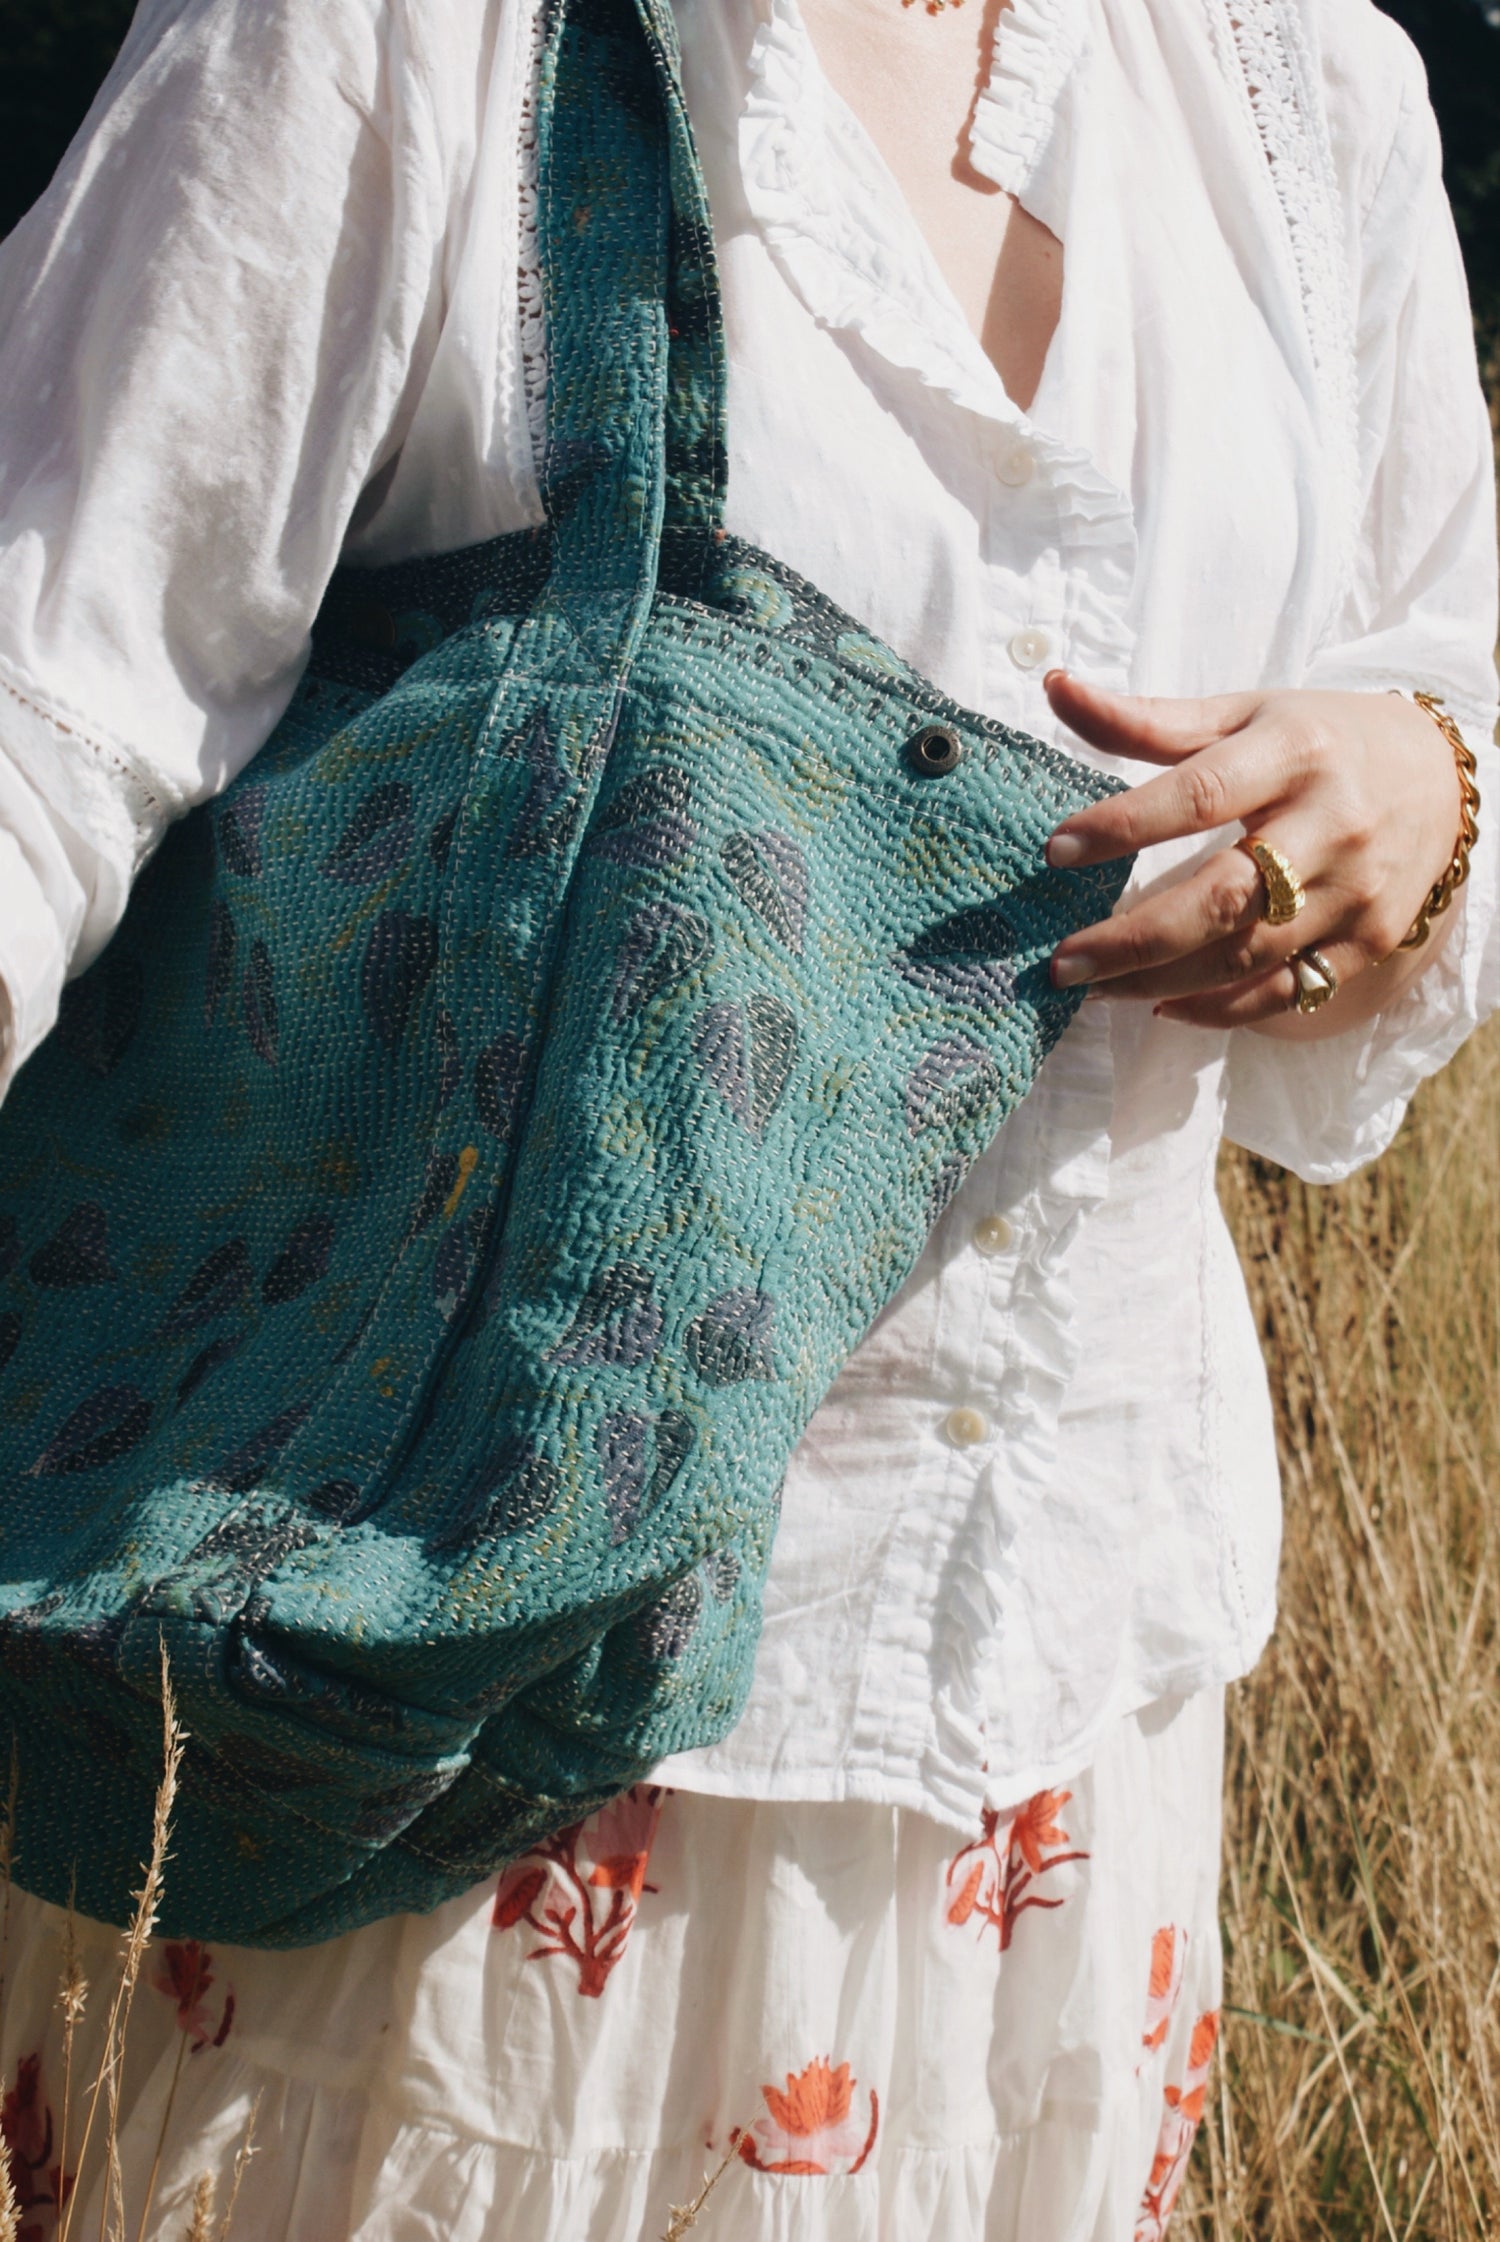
(1357, 790)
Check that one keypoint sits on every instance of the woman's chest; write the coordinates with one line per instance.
(1159, 515)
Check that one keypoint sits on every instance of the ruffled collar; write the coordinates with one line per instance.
(836, 219)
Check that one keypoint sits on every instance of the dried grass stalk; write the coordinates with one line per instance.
(106, 2085)
(202, 2227)
(242, 2158)
(1359, 2093)
(684, 2216)
(10, 2209)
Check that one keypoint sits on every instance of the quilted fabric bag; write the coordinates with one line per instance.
(436, 1215)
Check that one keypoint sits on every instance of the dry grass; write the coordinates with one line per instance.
(1359, 2095)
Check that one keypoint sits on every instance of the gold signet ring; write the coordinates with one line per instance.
(1285, 894)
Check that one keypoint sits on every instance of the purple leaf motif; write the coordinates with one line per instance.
(240, 822)
(665, 1628)
(376, 839)
(78, 1254)
(221, 1281)
(965, 959)
(769, 872)
(98, 1015)
(617, 1320)
(950, 1086)
(222, 939)
(663, 943)
(731, 1340)
(258, 997)
(108, 1425)
(301, 1262)
(748, 1052)
(398, 963)
(647, 824)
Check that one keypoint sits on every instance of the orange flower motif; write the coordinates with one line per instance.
(816, 2097)
(1183, 2109)
(1036, 1826)
(810, 2128)
(1168, 1955)
(555, 1887)
(1004, 1862)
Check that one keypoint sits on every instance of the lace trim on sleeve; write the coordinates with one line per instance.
(1264, 51)
(530, 302)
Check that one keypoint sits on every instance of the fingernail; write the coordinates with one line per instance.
(1064, 849)
(1049, 674)
(1068, 972)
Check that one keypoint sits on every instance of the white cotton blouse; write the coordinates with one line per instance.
(279, 307)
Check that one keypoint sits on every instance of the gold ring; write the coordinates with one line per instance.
(1285, 894)
(1317, 982)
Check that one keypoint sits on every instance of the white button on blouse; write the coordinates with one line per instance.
(281, 304)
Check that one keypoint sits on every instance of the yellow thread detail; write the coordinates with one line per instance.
(468, 1161)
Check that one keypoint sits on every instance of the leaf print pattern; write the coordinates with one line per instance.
(79, 1252)
(11, 1328)
(581, 1889)
(1181, 2116)
(811, 2125)
(108, 1425)
(258, 999)
(667, 1626)
(204, 1364)
(747, 1051)
(499, 1072)
(633, 1479)
(399, 960)
(98, 1015)
(516, 1489)
(664, 943)
(223, 940)
(546, 814)
(221, 1281)
(183, 1970)
(1168, 1959)
(953, 1084)
(647, 823)
(240, 1471)
(769, 872)
(376, 839)
(239, 833)
(618, 1321)
(301, 1262)
(27, 2141)
(964, 959)
(991, 1881)
(731, 1340)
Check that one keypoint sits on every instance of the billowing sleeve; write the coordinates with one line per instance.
(212, 328)
(1420, 612)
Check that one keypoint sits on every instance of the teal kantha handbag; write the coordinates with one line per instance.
(437, 1214)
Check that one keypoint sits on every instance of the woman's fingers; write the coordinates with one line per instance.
(1151, 730)
(1248, 1003)
(1223, 898)
(1237, 777)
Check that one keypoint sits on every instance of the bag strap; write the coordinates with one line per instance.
(635, 436)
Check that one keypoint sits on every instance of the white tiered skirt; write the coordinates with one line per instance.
(891, 2034)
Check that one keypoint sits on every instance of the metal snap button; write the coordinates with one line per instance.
(934, 750)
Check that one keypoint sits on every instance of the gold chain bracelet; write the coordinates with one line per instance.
(1456, 871)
